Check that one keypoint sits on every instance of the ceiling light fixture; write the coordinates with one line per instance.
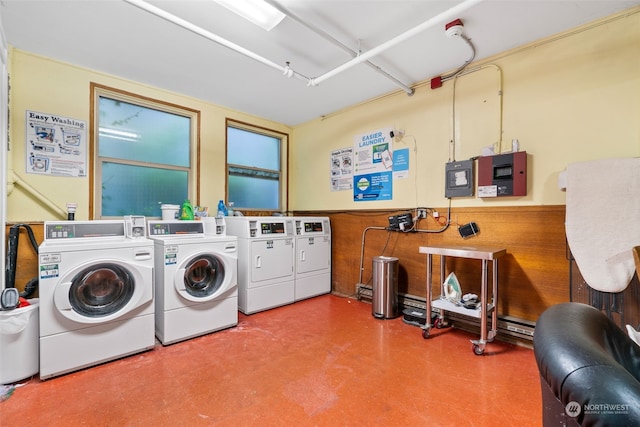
(257, 11)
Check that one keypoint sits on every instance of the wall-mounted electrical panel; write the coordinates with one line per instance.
(459, 179)
(503, 175)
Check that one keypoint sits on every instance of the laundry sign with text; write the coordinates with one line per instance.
(373, 166)
(56, 145)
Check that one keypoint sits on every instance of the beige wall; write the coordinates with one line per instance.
(572, 98)
(49, 86)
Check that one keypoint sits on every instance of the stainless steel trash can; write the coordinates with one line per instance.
(385, 287)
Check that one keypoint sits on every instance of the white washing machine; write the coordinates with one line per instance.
(96, 295)
(265, 261)
(313, 257)
(196, 280)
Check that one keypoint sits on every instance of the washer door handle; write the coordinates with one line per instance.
(258, 261)
(179, 280)
(61, 296)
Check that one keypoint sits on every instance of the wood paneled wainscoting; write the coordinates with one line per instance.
(532, 276)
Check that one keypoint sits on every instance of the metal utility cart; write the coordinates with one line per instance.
(486, 307)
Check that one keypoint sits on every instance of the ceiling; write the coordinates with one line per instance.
(122, 39)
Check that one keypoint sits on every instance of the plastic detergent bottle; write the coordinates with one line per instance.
(186, 211)
(222, 209)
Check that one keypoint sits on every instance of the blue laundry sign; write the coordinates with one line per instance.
(373, 186)
(373, 166)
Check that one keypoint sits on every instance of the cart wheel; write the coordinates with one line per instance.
(425, 333)
(437, 323)
(477, 350)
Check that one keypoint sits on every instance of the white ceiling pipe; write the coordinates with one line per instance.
(287, 71)
(338, 43)
(444, 16)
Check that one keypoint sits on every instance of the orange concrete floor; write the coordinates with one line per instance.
(320, 362)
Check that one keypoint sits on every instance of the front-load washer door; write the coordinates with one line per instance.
(103, 291)
(203, 277)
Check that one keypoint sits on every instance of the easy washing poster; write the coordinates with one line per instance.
(373, 166)
(56, 145)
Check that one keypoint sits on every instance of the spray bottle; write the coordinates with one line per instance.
(222, 209)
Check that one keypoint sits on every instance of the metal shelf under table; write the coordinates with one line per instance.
(484, 254)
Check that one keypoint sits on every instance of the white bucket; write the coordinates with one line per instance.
(170, 211)
(19, 343)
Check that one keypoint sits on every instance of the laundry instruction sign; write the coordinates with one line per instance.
(56, 145)
(342, 169)
(373, 166)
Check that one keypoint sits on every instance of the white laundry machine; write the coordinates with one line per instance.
(196, 280)
(96, 295)
(313, 257)
(265, 261)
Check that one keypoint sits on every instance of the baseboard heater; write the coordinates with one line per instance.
(508, 327)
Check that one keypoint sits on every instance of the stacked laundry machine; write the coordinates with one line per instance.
(280, 259)
(96, 293)
(195, 278)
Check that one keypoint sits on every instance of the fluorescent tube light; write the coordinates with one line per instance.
(118, 134)
(257, 11)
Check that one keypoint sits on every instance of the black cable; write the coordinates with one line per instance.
(12, 259)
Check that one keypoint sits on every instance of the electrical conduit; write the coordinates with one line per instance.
(410, 91)
(287, 70)
(444, 16)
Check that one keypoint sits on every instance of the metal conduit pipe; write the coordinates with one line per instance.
(444, 16)
(410, 91)
(364, 235)
(461, 73)
(467, 40)
(286, 70)
(500, 96)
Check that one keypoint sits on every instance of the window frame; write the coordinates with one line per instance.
(95, 168)
(283, 181)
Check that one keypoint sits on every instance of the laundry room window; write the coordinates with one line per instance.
(144, 154)
(254, 167)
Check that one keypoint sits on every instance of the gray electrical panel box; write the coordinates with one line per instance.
(459, 179)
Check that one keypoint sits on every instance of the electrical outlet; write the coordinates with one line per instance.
(422, 213)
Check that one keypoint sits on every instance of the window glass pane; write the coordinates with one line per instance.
(139, 190)
(254, 193)
(134, 132)
(254, 173)
(252, 149)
